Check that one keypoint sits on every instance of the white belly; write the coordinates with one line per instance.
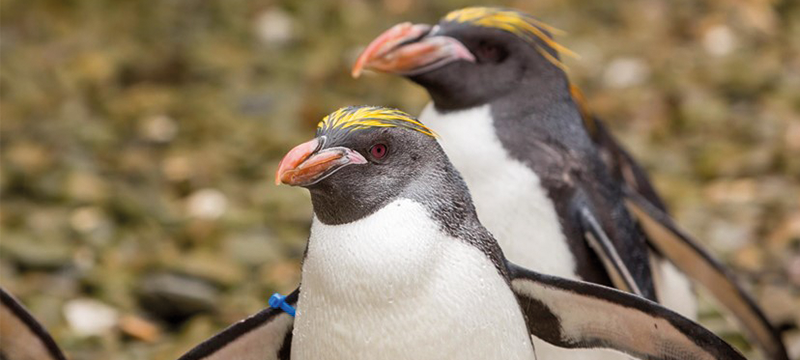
(673, 288)
(393, 286)
(508, 195)
(511, 203)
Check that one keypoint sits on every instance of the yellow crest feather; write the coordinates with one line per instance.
(517, 23)
(355, 118)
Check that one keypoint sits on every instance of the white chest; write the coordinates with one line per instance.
(393, 286)
(508, 195)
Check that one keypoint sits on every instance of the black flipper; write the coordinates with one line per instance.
(266, 335)
(689, 257)
(574, 314)
(21, 336)
(599, 242)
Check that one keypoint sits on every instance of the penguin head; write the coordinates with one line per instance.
(361, 158)
(471, 57)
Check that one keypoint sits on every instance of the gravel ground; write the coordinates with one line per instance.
(138, 142)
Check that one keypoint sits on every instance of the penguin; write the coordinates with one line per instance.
(21, 336)
(504, 106)
(398, 266)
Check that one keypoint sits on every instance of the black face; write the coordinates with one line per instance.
(395, 158)
(504, 63)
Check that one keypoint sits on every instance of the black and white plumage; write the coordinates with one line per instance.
(399, 267)
(22, 337)
(498, 87)
(503, 114)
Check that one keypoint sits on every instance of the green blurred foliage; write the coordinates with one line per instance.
(138, 141)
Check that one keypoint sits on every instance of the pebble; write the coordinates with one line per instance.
(35, 254)
(139, 328)
(86, 219)
(84, 186)
(29, 156)
(778, 303)
(626, 72)
(174, 298)
(749, 258)
(274, 27)
(728, 236)
(739, 191)
(90, 317)
(177, 168)
(209, 204)
(719, 40)
(159, 128)
(792, 136)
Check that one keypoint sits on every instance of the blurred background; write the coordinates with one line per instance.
(139, 139)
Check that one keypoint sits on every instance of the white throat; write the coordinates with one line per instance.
(393, 285)
(508, 195)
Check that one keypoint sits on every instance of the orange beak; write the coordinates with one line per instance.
(307, 165)
(407, 49)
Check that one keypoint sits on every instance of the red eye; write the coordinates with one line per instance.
(378, 151)
(491, 53)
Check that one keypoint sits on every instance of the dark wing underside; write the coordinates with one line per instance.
(266, 335)
(21, 336)
(575, 314)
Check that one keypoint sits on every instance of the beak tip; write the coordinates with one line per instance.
(361, 62)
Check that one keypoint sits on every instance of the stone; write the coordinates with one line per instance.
(159, 128)
(274, 27)
(175, 298)
(626, 72)
(207, 204)
(719, 40)
(90, 317)
(139, 328)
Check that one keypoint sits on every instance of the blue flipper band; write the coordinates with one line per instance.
(278, 301)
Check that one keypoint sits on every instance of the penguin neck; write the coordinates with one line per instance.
(336, 205)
